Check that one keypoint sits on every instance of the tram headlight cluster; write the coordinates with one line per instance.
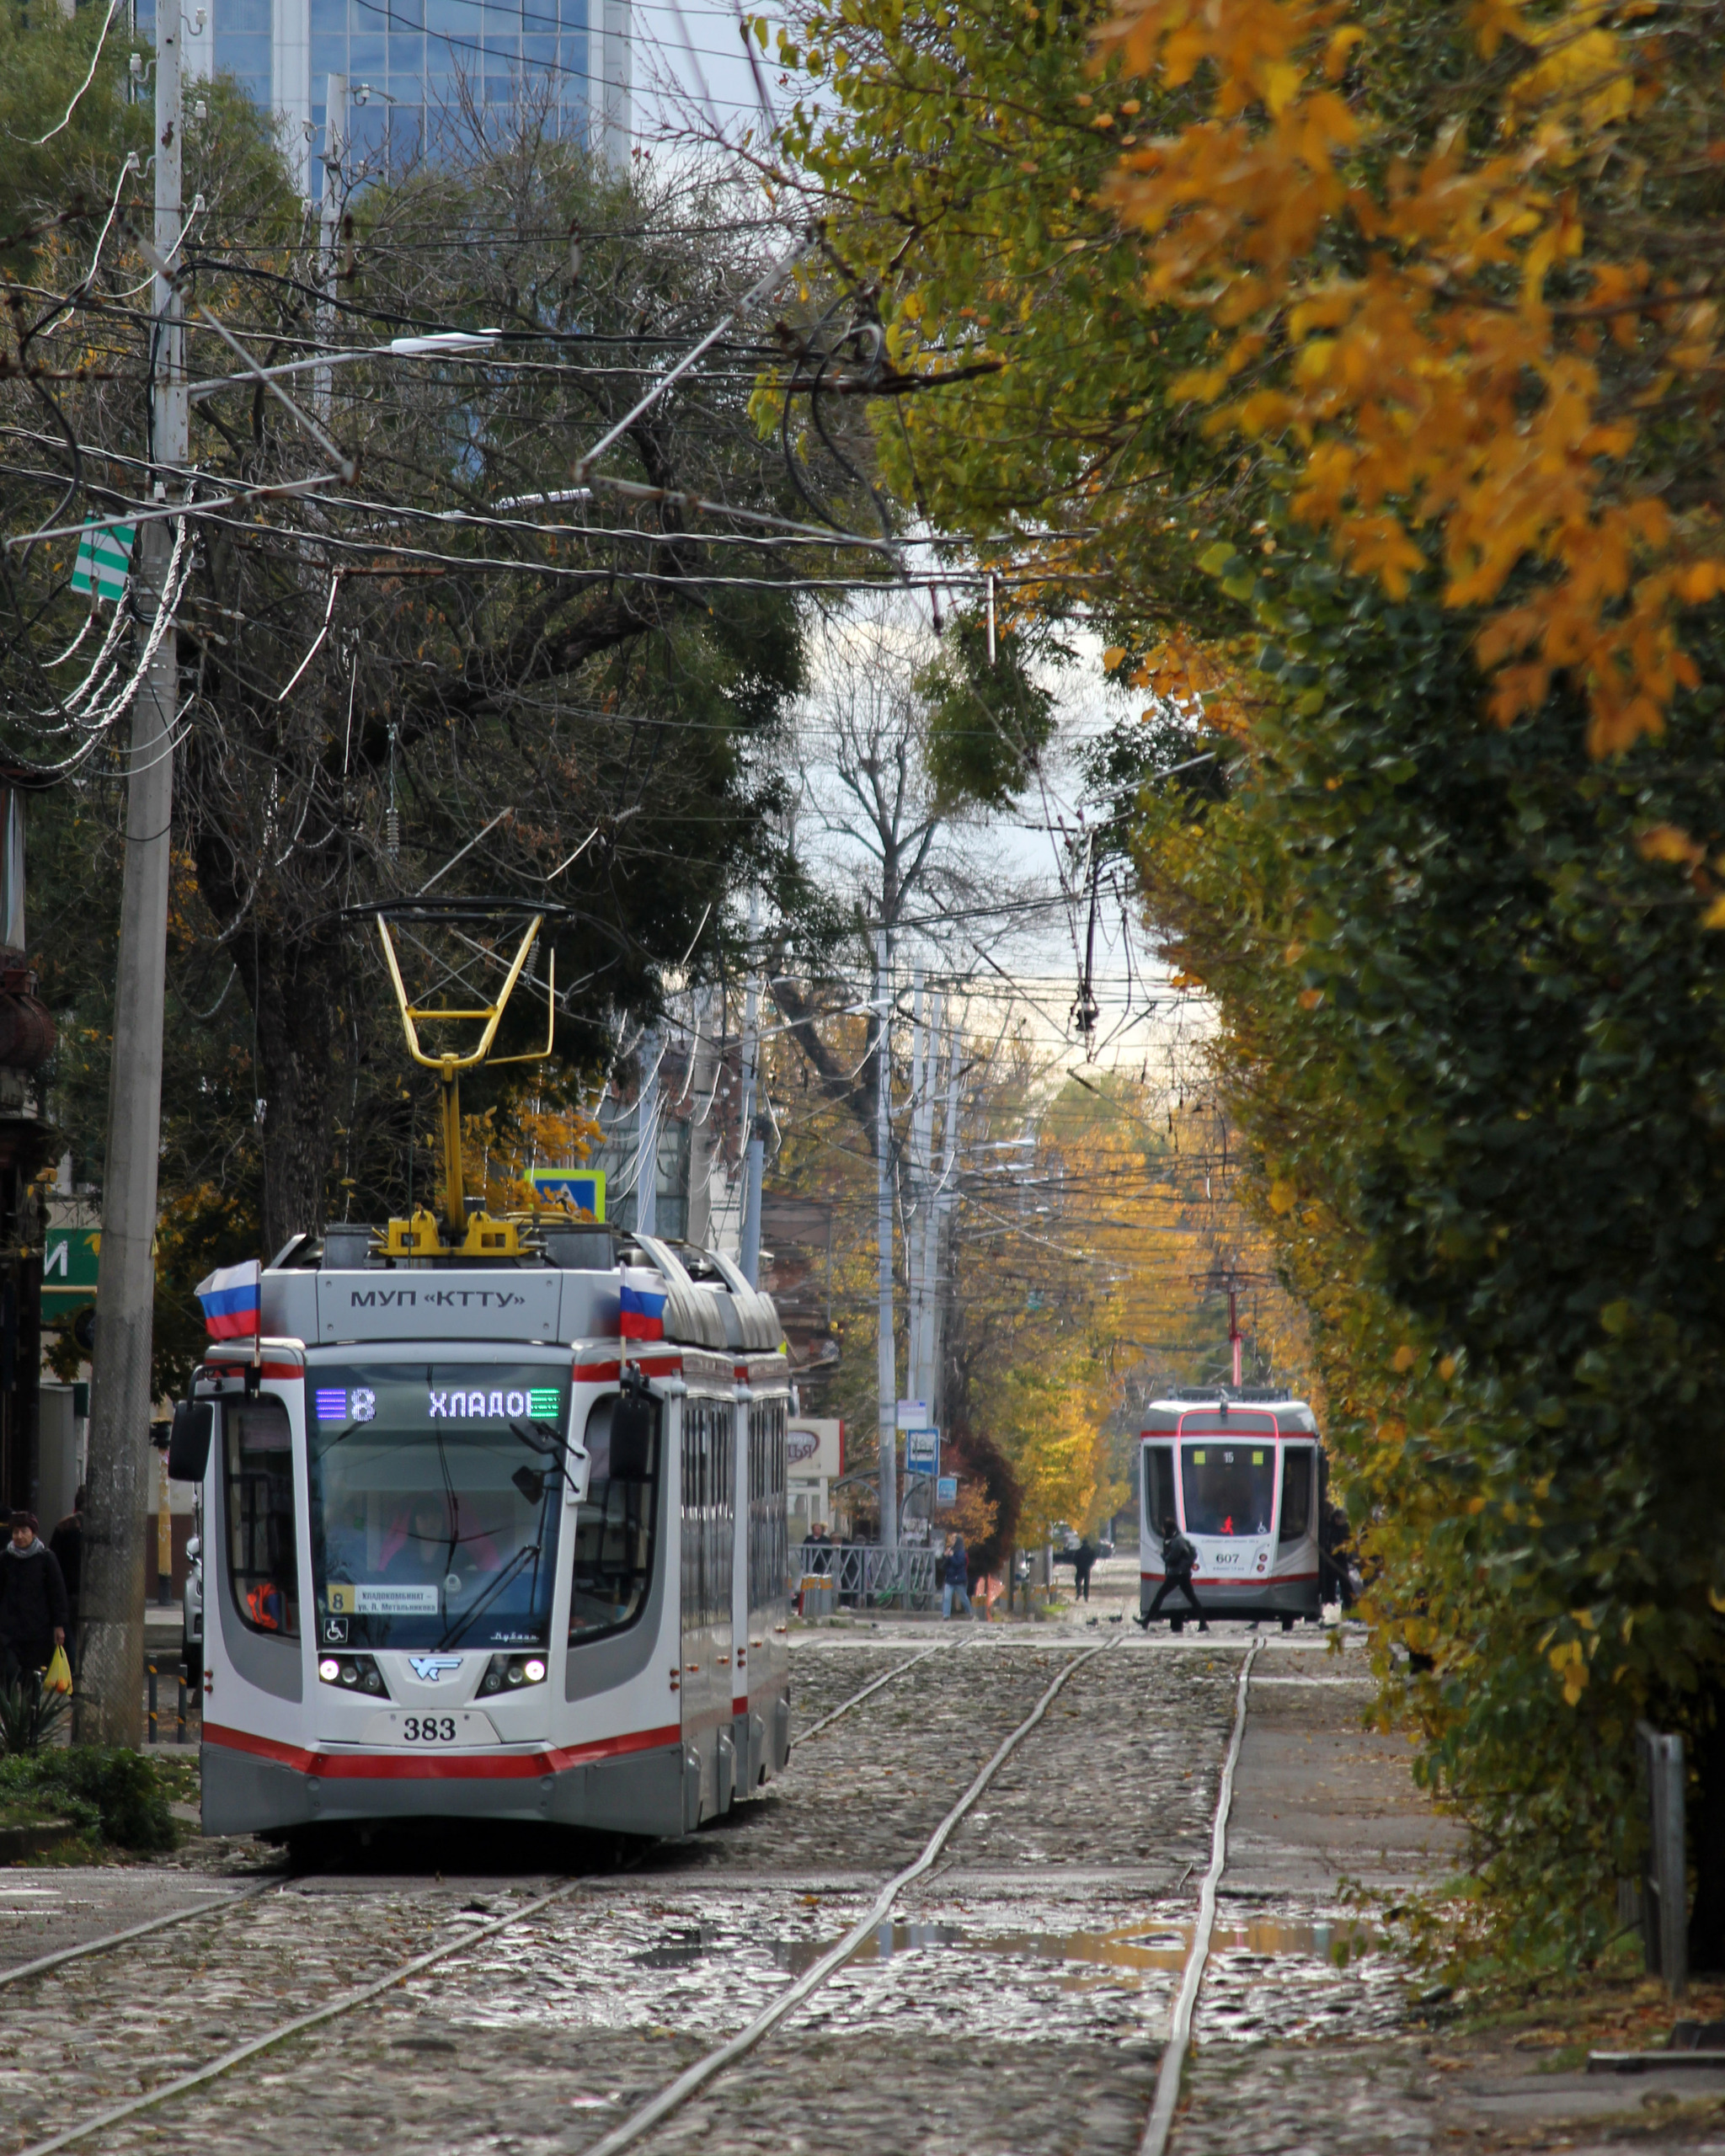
(512, 1673)
(351, 1673)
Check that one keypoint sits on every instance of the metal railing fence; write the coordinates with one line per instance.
(865, 1576)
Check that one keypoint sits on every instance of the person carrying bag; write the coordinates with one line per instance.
(34, 1613)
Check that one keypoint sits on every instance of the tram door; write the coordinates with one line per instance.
(708, 1531)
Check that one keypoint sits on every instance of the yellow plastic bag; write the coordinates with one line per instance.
(57, 1676)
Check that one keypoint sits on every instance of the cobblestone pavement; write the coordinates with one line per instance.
(1017, 2003)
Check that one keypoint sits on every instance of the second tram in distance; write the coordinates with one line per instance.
(1242, 1477)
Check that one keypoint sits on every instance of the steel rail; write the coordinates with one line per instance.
(856, 1698)
(44, 1962)
(345, 2005)
(704, 2070)
(1173, 2059)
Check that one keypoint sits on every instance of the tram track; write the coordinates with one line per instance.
(45, 1964)
(868, 1692)
(555, 1964)
(696, 2077)
(182, 2084)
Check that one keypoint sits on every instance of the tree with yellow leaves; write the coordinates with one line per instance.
(1424, 327)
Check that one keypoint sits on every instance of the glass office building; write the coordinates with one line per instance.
(417, 71)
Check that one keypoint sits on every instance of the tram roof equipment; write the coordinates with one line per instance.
(1193, 1406)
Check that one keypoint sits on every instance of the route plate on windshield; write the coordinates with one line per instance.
(431, 1732)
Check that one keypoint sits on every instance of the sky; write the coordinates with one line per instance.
(690, 70)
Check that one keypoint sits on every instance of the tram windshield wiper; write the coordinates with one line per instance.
(547, 1444)
(510, 1571)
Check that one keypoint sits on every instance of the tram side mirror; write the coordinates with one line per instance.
(189, 1437)
(633, 1426)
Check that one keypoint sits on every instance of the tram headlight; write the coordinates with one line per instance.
(509, 1673)
(352, 1672)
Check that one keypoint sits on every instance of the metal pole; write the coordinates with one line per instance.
(153, 1722)
(937, 1277)
(887, 1364)
(916, 1195)
(647, 1136)
(112, 1599)
(749, 1130)
(329, 233)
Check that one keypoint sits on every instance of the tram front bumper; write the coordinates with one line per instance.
(1236, 1598)
(630, 1785)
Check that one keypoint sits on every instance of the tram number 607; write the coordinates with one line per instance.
(429, 1729)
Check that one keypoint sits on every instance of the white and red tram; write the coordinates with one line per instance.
(1242, 1477)
(470, 1552)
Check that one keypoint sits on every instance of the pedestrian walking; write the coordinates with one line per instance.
(33, 1611)
(819, 1544)
(955, 1583)
(1178, 1558)
(1083, 1561)
(66, 1546)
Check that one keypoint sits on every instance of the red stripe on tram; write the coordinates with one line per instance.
(652, 1366)
(449, 1766)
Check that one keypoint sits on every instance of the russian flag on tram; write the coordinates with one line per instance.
(642, 1314)
(231, 1297)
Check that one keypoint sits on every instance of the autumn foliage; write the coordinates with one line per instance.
(1458, 321)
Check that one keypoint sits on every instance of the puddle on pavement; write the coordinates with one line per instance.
(681, 1948)
(1134, 1948)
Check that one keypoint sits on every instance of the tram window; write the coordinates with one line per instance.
(1159, 1489)
(769, 1556)
(1228, 1487)
(263, 1546)
(614, 1526)
(1296, 1494)
(709, 1511)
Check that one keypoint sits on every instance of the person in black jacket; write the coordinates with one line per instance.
(1083, 1561)
(1178, 1557)
(66, 1544)
(33, 1611)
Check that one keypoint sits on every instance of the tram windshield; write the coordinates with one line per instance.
(1229, 1488)
(435, 1501)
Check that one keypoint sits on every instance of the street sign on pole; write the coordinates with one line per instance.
(913, 1414)
(923, 1452)
(946, 1490)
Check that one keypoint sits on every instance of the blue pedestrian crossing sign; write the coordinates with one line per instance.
(583, 1188)
(103, 560)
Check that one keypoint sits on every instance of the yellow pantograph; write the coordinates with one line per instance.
(481, 1236)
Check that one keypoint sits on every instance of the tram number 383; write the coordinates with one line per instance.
(429, 1729)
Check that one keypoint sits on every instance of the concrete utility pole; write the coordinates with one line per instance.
(939, 1272)
(887, 1365)
(749, 1121)
(616, 71)
(110, 1708)
(920, 1212)
(647, 1135)
(330, 236)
